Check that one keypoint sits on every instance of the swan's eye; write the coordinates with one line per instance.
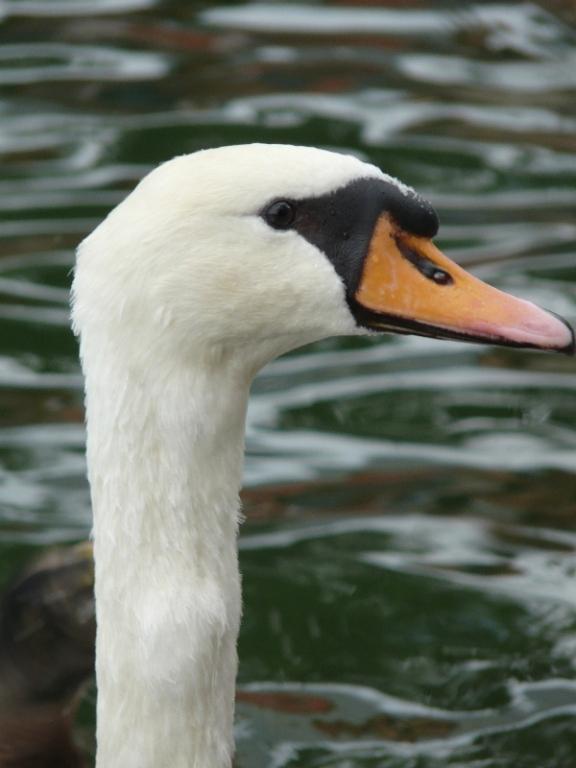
(279, 215)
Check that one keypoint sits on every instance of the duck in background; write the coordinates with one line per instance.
(47, 636)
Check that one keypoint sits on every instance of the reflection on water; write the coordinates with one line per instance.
(408, 558)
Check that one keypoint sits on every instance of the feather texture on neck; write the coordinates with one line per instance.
(165, 457)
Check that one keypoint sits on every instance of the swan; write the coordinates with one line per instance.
(216, 263)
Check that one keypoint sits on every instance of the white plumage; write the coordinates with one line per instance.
(180, 296)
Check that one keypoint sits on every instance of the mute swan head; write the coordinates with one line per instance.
(217, 262)
(261, 248)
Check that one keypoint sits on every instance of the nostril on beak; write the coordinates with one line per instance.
(424, 265)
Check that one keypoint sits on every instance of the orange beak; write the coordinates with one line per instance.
(408, 286)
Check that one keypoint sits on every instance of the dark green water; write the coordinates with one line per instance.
(409, 554)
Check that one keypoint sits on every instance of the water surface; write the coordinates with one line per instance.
(409, 550)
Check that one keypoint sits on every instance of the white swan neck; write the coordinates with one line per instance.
(165, 463)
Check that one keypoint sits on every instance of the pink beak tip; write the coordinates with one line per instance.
(531, 326)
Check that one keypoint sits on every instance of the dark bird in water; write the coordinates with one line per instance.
(47, 637)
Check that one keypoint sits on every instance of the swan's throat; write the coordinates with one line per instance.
(165, 463)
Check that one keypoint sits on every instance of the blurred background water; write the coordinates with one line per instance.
(409, 552)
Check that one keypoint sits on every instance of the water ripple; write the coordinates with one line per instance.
(409, 554)
(34, 9)
(19, 65)
(264, 17)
